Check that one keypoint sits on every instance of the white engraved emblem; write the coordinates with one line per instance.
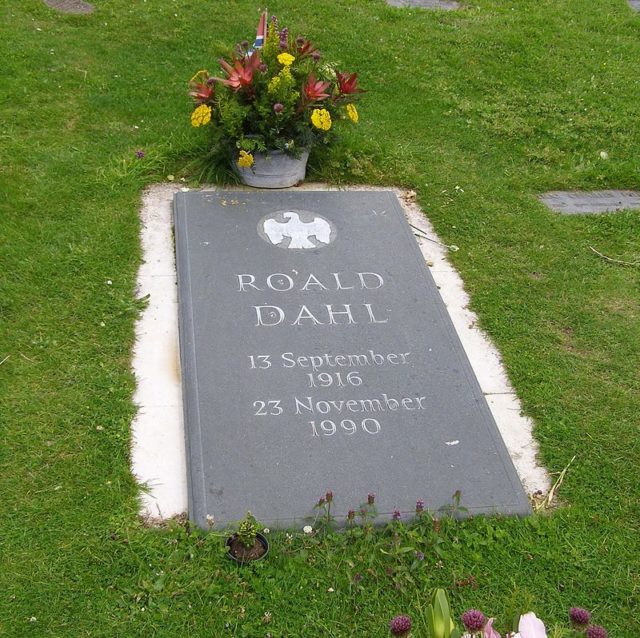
(296, 229)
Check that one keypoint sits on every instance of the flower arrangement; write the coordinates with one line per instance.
(278, 94)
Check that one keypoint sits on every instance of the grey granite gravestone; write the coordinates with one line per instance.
(446, 5)
(70, 6)
(635, 4)
(317, 354)
(590, 202)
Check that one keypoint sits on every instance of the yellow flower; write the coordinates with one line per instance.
(245, 160)
(201, 116)
(286, 59)
(352, 112)
(321, 119)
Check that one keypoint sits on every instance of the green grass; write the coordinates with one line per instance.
(504, 100)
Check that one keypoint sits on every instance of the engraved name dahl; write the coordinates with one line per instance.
(318, 314)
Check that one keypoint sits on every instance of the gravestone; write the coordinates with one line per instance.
(584, 203)
(635, 4)
(70, 6)
(446, 5)
(317, 354)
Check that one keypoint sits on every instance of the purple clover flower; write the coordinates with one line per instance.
(419, 556)
(596, 631)
(400, 626)
(474, 620)
(396, 515)
(139, 154)
(419, 506)
(371, 498)
(329, 494)
(579, 616)
(315, 55)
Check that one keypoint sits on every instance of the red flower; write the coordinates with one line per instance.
(241, 73)
(304, 47)
(201, 93)
(314, 90)
(348, 84)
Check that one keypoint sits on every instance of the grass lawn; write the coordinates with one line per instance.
(502, 100)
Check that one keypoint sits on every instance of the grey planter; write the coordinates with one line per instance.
(275, 170)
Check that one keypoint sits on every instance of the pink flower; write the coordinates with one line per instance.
(489, 631)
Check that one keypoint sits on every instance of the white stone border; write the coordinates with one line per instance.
(158, 450)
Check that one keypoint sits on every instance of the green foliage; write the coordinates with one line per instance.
(439, 620)
(247, 530)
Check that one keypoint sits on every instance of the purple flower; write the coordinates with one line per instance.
(419, 506)
(396, 515)
(263, 67)
(400, 625)
(473, 620)
(596, 631)
(579, 616)
(329, 494)
(371, 497)
(139, 154)
(284, 38)
(351, 515)
(419, 556)
(316, 55)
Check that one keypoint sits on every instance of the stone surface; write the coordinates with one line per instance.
(70, 6)
(635, 4)
(447, 5)
(582, 203)
(317, 354)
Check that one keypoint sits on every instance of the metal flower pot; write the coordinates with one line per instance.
(274, 170)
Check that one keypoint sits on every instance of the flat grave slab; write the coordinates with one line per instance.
(446, 5)
(317, 354)
(70, 6)
(635, 4)
(590, 202)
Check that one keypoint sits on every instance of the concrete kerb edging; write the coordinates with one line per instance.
(158, 450)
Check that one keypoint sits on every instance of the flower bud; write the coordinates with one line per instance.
(278, 108)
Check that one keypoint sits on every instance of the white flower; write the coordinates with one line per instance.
(307, 529)
(331, 590)
(530, 626)
(604, 155)
(109, 282)
(210, 520)
(266, 530)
